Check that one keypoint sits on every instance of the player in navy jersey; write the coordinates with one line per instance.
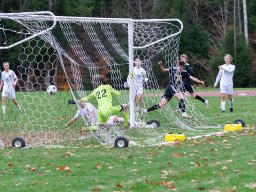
(175, 87)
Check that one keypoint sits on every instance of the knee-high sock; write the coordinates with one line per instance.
(182, 105)
(4, 109)
(223, 105)
(199, 98)
(154, 107)
(231, 103)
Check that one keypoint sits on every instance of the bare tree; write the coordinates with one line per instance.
(139, 9)
(245, 23)
(50, 4)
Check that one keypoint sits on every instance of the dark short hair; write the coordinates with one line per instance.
(181, 63)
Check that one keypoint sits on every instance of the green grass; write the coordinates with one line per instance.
(206, 164)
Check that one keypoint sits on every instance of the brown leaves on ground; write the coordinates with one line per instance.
(64, 168)
(167, 184)
(119, 185)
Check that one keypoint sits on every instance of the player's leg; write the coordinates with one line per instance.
(3, 102)
(181, 97)
(123, 109)
(139, 98)
(231, 104)
(13, 98)
(223, 102)
(230, 97)
(223, 95)
(198, 97)
(169, 93)
(101, 118)
(191, 91)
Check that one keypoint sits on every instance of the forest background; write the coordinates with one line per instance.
(212, 28)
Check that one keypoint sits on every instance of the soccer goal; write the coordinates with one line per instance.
(76, 54)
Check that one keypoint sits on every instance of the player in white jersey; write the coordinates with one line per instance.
(87, 111)
(225, 77)
(8, 83)
(139, 78)
(114, 120)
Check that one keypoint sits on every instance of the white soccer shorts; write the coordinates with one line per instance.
(137, 91)
(9, 93)
(227, 89)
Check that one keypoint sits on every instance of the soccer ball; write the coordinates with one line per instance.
(52, 89)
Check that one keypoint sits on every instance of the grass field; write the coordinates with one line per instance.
(213, 164)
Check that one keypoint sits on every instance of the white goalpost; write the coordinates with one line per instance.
(77, 54)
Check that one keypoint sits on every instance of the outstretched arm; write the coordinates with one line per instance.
(160, 63)
(196, 80)
(114, 91)
(86, 98)
(71, 121)
(217, 79)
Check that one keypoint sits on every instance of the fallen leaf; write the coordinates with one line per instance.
(198, 164)
(119, 185)
(194, 181)
(176, 155)
(68, 154)
(32, 169)
(63, 167)
(10, 164)
(98, 166)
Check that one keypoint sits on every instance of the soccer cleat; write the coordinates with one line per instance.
(185, 115)
(231, 109)
(206, 103)
(223, 111)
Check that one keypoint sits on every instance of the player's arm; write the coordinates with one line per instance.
(217, 79)
(88, 97)
(114, 91)
(231, 70)
(129, 81)
(145, 78)
(162, 69)
(196, 80)
(71, 121)
(1, 84)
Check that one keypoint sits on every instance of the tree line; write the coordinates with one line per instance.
(211, 28)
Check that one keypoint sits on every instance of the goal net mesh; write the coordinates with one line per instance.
(78, 55)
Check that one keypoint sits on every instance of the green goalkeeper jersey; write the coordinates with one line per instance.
(103, 94)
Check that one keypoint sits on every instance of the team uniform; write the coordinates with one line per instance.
(103, 95)
(8, 79)
(114, 120)
(86, 111)
(175, 84)
(139, 75)
(225, 77)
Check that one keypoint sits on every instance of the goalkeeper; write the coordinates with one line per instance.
(103, 95)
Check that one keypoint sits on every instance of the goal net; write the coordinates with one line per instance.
(77, 54)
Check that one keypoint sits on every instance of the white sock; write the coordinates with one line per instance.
(19, 107)
(4, 109)
(138, 107)
(223, 104)
(120, 119)
(231, 103)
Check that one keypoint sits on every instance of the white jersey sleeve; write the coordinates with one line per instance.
(225, 75)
